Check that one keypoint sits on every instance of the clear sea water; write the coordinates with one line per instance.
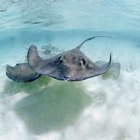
(93, 109)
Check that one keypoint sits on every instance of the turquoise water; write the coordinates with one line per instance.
(94, 109)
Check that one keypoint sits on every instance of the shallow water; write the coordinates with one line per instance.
(94, 109)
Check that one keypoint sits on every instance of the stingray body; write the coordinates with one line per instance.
(21, 73)
(71, 65)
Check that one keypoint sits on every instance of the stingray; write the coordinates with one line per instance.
(21, 73)
(70, 65)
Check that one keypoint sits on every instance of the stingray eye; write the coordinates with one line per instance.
(82, 62)
(59, 60)
(17, 64)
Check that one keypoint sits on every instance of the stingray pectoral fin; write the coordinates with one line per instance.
(40, 65)
(32, 56)
(101, 68)
(113, 72)
(105, 67)
(35, 61)
(115, 67)
(100, 63)
(21, 73)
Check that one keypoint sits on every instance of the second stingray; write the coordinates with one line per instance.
(71, 65)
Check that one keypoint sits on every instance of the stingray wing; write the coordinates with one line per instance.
(50, 67)
(21, 73)
(113, 72)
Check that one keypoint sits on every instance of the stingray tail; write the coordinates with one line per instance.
(80, 45)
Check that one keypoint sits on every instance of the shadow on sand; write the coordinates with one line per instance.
(50, 105)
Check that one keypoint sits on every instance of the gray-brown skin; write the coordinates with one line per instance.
(21, 73)
(71, 65)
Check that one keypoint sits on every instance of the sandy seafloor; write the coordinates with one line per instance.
(93, 109)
